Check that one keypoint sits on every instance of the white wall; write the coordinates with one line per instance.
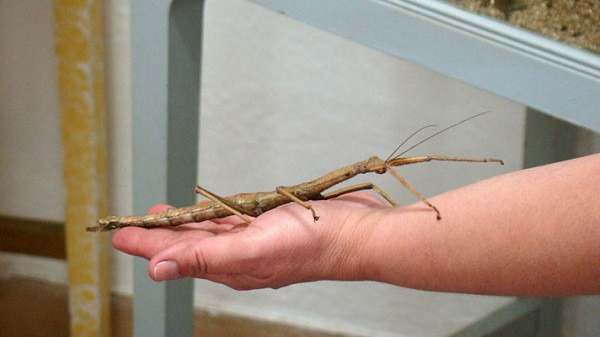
(281, 103)
(30, 144)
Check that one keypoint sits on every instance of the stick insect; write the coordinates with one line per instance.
(254, 204)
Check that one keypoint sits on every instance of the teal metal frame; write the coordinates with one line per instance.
(559, 80)
(548, 76)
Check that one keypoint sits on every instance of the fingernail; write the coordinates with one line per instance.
(166, 270)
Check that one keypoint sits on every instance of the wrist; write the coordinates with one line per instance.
(351, 244)
(395, 250)
(382, 232)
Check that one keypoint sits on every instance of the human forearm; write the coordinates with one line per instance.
(533, 232)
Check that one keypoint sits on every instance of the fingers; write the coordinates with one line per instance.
(159, 208)
(216, 255)
(146, 243)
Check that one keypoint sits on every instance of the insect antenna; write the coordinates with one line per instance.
(407, 139)
(437, 133)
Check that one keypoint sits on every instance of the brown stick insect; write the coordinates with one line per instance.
(254, 204)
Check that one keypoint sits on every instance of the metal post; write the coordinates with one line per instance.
(166, 46)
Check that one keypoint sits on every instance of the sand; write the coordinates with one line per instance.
(575, 22)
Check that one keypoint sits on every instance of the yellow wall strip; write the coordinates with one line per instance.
(81, 91)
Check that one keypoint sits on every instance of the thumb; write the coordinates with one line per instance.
(198, 258)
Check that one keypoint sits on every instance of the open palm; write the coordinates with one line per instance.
(280, 247)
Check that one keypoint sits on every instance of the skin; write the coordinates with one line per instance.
(528, 233)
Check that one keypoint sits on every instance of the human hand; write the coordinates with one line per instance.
(280, 247)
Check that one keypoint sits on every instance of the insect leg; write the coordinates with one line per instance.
(231, 207)
(283, 191)
(360, 187)
(423, 159)
(413, 190)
